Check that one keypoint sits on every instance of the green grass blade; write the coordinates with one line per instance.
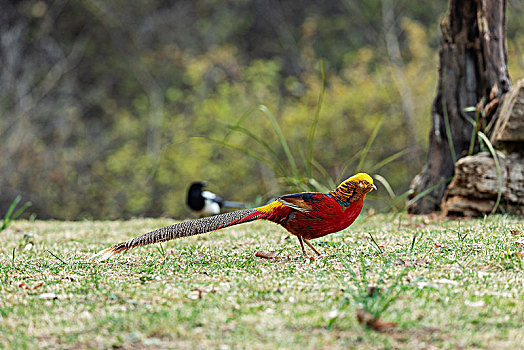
(386, 185)
(475, 123)
(282, 139)
(240, 120)
(413, 242)
(318, 187)
(260, 141)
(393, 292)
(14, 203)
(497, 166)
(324, 173)
(13, 257)
(7, 216)
(312, 130)
(448, 131)
(396, 200)
(248, 152)
(348, 163)
(429, 189)
(369, 143)
(446, 122)
(56, 256)
(375, 242)
(21, 210)
(388, 160)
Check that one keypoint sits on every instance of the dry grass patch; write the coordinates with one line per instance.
(438, 283)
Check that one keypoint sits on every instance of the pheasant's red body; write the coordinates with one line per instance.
(321, 214)
(306, 215)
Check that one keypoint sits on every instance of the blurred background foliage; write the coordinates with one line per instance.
(110, 108)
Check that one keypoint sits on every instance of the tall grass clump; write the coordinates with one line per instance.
(9, 216)
(301, 171)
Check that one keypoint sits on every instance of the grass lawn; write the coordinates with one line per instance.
(445, 284)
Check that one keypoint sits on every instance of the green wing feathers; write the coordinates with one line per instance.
(184, 229)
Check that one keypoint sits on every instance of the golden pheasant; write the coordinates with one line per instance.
(306, 215)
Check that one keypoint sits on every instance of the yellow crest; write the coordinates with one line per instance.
(359, 178)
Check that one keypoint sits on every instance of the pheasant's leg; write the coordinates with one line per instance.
(302, 245)
(310, 246)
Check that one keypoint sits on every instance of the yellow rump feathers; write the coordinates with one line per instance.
(268, 208)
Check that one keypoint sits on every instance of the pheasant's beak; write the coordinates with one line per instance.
(373, 187)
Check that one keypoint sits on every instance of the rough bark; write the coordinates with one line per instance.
(475, 186)
(508, 131)
(472, 72)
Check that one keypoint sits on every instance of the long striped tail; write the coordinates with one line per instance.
(184, 229)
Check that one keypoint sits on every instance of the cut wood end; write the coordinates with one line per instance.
(265, 255)
(379, 325)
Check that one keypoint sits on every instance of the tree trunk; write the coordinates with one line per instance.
(472, 72)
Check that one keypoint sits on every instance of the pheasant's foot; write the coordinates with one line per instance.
(311, 246)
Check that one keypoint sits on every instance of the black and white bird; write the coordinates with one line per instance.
(205, 203)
